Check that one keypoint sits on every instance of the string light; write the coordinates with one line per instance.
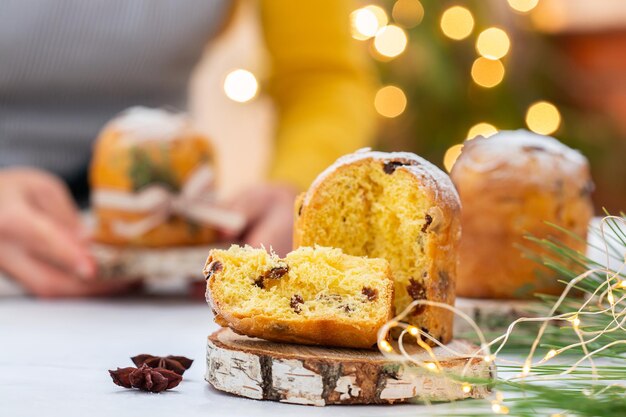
(390, 101)
(451, 156)
(412, 330)
(543, 117)
(522, 6)
(408, 13)
(493, 43)
(385, 346)
(610, 298)
(240, 85)
(390, 41)
(457, 23)
(551, 354)
(430, 366)
(364, 23)
(499, 408)
(587, 307)
(481, 129)
(487, 72)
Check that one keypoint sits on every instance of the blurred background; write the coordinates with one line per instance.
(449, 70)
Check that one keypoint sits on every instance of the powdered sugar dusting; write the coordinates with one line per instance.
(515, 149)
(140, 124)
(429, 175)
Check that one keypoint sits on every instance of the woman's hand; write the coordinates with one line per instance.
(43, 245)
(268, 209)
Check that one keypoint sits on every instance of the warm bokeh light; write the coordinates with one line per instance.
(522, 6)
(390, 41)
(457, 22)
(364, 24)
(408, 13)
(493, 43)
(451, 156)
(390, 101)
(543, 118)
(551, 16)
(481, 129)
(380, 13)
(240, 85)
(487, 72)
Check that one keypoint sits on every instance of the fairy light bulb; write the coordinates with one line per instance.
(240, 85)
(466, 388)
(412, 330)
(488, 358)
(487, 72)
(385, 346)
(481, 129)
(610, 298)
(430, 366)
(551, 354)
(451, 155)
(526, 369)
(390, 41)
(543, 117)
(622, 283)
(499, 408)
(457, 23)
(493, 43)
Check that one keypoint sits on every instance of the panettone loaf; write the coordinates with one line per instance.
(395, 206)
(513, 184)
(141, 158)
(317, 296)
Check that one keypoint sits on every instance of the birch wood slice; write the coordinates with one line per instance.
(262, 370)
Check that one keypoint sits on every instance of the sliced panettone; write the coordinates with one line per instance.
(315, 295)
(396, 206)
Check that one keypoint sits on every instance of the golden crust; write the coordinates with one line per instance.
(327, 331)
(510, 199)
(442, 235)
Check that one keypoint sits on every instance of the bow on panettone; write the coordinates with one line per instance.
(195, 201)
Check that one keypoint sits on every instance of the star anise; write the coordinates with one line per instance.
(146, 378)
(178, 364)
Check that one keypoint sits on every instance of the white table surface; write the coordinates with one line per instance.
(54, 357)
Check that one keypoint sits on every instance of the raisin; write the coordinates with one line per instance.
(295, 302)
(370, 293)
(417, 292)
(276, 272)
(300, 210)
(390, 167)
(259, 282)
(428, 219)
(346, 308)
(215, 266)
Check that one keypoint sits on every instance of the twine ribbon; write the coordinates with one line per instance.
(195, 201)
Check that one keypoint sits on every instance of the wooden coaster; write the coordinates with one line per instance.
(298, 374)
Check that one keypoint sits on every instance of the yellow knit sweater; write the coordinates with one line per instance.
(321, 83)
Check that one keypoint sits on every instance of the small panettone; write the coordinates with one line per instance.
(152, 182)
(395, 206)
(510, 185)
(316, 296)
